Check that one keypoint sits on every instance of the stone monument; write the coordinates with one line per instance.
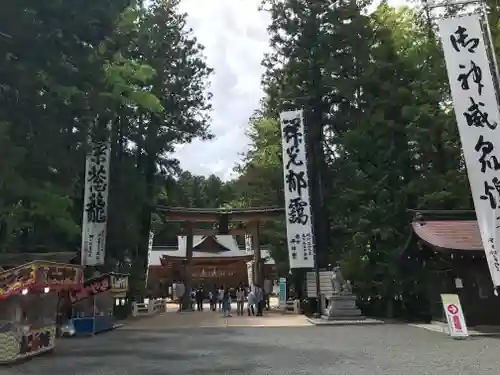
(342, 303)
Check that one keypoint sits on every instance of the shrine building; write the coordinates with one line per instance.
(445, 255)
(216, 260)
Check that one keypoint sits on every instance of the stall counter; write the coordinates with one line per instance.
(29, 297)
(93, 324)
(93, 304)
(14, 348)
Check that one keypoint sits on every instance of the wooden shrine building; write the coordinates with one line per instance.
(216, 260)
(225, 222)
(445, 255)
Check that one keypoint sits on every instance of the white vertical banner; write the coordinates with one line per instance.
(477, 114)
(95, 205)
(150, 250)
(250, 272)
(300, 237)
(248, 244)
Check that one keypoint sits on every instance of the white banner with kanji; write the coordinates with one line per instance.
(299, 227)
(95, 205)
(478, 116)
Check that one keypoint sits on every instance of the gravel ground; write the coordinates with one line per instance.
(357, 350)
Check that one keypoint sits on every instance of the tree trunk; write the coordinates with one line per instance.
(147, 165)
(188, 232)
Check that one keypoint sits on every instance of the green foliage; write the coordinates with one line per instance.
(379, 88)
(73, 71)
(78, 69)
(191, 191)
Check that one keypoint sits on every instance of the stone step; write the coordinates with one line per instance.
(342, 322)
(344, 308)
(343, 317)
(335, 313)
(343, 311)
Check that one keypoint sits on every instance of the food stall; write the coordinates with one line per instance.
(29, 298)
(94, 304)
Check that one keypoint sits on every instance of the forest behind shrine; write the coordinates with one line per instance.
(71, 69)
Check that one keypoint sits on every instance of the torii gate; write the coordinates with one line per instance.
(248, 220)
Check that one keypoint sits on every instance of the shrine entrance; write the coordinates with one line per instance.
(225, 224)
(216, 260)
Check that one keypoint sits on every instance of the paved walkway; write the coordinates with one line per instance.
(207, 319)
(388, 349)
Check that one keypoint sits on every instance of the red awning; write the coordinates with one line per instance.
(449, 234)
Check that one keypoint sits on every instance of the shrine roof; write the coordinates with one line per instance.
(227, 242)
(213, 214)
(17, 259)
(449, 234)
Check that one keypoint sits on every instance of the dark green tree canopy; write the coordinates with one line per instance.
(77, 71)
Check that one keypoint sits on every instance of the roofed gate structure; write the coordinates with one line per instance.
(217, 260)
(226, 222)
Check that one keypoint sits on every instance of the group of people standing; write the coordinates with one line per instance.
(221, 298)
(253, 296)
(255, 301)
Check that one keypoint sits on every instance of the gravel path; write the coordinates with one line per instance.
(357, 350)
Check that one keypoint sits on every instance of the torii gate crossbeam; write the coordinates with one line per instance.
(248, 218)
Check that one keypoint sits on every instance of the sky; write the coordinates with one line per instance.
(235, 39)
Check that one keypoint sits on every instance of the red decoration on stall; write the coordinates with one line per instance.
(39, 275)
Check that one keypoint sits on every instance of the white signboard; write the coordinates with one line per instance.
(95, 205)
(454, 316)
(478, 117)
(297, 201)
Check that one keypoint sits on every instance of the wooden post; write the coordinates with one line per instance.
(188, 232)
(258, 277)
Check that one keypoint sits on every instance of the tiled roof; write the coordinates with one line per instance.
(450, 234)
(225, 241)
(17, 259)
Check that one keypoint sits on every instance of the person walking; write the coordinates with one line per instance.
(240, 300)
(251, 303)
(210, 298)
(213, 299)
(259, 299)
(268, 289)
(193, 298)
(220, 297)
(226, 303)
(178, 291)
(200, 296)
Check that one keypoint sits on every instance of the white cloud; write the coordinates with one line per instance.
(235, 36)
